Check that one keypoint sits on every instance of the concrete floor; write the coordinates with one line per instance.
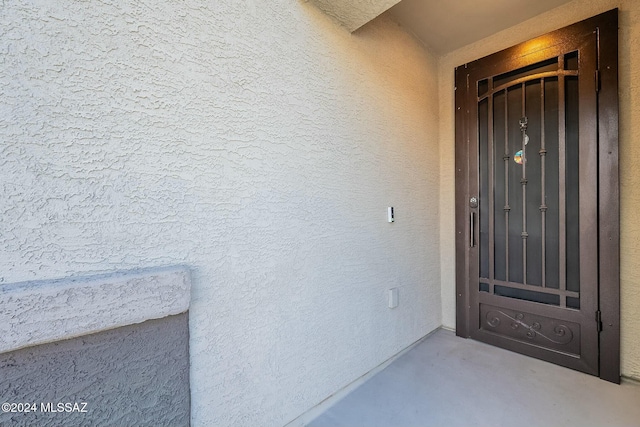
(450, 381)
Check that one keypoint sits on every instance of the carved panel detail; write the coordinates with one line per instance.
(539, 330)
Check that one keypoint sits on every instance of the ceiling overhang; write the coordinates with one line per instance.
(353, 13)
(441, 25)
(445, 26)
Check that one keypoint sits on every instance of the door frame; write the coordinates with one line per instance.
(608, 183)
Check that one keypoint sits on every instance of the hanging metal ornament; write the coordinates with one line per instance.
(520, 157)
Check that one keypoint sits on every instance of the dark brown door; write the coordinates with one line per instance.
(536, 148)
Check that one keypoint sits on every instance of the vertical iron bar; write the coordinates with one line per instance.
(523, 181)
(506, 158)
(543, 201)
(491, 166)
(562, 199)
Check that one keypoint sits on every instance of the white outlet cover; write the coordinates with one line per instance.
(393, 298)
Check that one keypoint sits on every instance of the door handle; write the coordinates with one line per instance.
(473, 204)
(472, 231)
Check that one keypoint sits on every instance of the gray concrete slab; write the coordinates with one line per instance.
(450, 381)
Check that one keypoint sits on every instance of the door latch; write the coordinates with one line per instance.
(599, 320)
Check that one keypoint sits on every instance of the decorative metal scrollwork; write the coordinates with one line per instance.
(561, 334)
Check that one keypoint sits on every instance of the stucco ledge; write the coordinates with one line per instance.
(45, 311)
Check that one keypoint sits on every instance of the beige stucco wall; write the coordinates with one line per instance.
(258, 143)
(629, 74)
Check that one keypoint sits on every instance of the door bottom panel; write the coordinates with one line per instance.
(532, 329)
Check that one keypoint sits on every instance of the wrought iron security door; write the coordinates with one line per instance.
(527, 132)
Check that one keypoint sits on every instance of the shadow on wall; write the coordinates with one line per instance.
(137, 375)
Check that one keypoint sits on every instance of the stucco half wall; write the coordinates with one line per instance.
(629, 72)
(102, 350)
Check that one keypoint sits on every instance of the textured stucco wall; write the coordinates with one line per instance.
(629, 74)
(259, 143)
(136, 375)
